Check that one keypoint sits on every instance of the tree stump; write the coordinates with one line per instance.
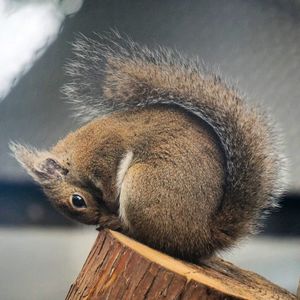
(121, 268)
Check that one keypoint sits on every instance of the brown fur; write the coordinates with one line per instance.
(204, 165)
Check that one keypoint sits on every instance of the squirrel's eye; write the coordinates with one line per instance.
(78, 201)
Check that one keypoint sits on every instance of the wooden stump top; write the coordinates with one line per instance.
(121, 268)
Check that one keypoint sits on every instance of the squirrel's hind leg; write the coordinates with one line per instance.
(160, 211)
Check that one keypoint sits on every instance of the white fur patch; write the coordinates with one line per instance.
(122, 207)
(122, 169)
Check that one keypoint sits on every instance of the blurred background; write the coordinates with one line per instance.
(254, 43)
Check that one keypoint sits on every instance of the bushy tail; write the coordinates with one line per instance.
(113, 74)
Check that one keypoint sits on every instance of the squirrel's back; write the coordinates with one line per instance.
(175, 181)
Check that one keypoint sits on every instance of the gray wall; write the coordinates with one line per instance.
(254, 43)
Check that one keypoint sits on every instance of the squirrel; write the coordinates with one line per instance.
(169, 153)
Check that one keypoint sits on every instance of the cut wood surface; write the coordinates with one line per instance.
(121, 268)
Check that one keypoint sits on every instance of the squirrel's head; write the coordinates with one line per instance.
(79, 175)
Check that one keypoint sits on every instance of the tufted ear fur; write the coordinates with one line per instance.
(41, 165)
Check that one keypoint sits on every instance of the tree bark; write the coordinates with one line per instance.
(121, 268)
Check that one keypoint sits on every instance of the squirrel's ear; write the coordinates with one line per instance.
(42, 166)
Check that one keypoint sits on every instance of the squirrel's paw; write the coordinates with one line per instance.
(110, 222)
